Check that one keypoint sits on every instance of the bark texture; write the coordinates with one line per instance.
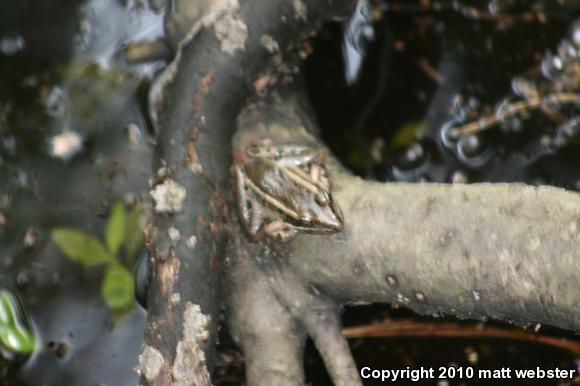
(228, 55)
(501, 251)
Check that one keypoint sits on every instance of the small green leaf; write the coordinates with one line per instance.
(115, 231)
(407, 133)
(81, 247)
(134, 235)
(118, 287)
(14, 335)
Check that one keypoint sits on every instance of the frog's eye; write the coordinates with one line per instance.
(253, 150)
(322, 198)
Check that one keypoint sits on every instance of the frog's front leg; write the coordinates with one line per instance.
(280, 230)
(249, 207)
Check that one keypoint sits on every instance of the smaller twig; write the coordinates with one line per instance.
(431, 71)
(408, 327)
(489, 121)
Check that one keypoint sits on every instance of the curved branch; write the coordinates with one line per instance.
(216, 68)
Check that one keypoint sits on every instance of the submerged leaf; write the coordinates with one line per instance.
(407, 133)
(134, 235)
(115, 232)
(118, 287)
(81, 247)
(14, 335)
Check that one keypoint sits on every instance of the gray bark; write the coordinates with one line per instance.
(501, 251)
(227, 55)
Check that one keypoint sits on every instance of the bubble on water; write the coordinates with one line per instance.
(570, 128)
(30, 239)
(567, 51)
(411, 162)
(65, 145)
(22, 178)
(474, 150)
(11, 44)
(55, 102)
(565, 132)
(134, 133)
(551, 66)
(575, 33)
(23, 279)
(448, 134)
(9, 144)
(83, 36)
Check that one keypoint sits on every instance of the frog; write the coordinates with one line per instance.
(283, 190)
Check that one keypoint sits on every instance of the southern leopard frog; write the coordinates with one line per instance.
(283, 190)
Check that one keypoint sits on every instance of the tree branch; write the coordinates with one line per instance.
(501, 251)
(220, 62)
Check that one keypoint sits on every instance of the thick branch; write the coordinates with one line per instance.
(214, 71)
(502, 251)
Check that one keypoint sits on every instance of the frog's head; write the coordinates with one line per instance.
(323, 214)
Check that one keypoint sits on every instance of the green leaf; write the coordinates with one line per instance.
(81, 247)
(407, 133)
(118, 287)
(134, 235)
(14, 335)
(115, 232)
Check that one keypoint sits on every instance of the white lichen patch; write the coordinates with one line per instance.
(168, 197)
(269, 43)
(300, 10)
(191, 242)
(195, 323)
(189, 367)
(232, 33)
(65, 145)
(175, 298)
(174, 234)
(150, 361)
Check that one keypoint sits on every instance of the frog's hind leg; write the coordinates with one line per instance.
(255, 212)
(249, 209)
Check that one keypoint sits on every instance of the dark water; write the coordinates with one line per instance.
(75, 139)
(426, 70)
